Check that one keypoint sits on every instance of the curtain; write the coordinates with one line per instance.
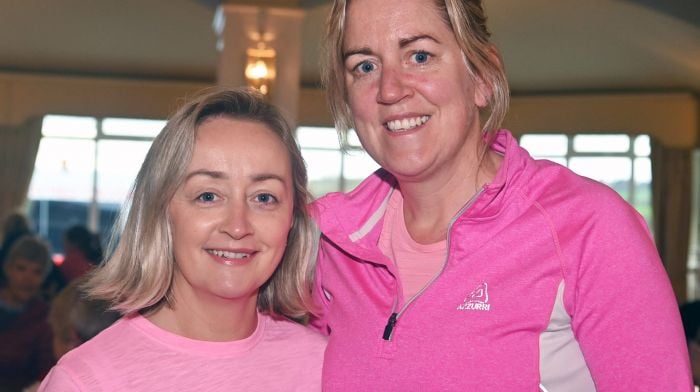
(18, 149)
(671, 194)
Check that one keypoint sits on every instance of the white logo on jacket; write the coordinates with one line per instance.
(478, 299)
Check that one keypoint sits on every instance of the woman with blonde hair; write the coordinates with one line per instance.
(463, 264)
(212, 263)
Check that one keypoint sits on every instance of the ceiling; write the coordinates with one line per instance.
(549, 46)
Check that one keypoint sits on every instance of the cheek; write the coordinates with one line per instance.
(358, 107)
(277, 232)
(445, 91)
(362, 97)
(193, 223)
(37, 278)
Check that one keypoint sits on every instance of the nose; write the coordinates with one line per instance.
(236, 223)
(392, 86)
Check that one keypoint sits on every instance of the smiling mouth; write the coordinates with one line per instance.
(229, 255)
(406, 123)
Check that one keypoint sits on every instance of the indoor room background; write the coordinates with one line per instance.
(607, 87)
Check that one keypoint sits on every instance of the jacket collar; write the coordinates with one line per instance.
(357, 217)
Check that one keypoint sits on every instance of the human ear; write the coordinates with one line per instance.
(483, 89)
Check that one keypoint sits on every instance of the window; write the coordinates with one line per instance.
(331, 167)
(82, 174)
(618, 160)
(694, 248)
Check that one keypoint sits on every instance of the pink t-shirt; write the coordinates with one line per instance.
(136, 355)
(417, 263)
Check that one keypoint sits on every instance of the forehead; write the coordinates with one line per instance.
(392, 20)
(239, 146)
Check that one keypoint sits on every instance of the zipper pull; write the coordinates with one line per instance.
(390, 326)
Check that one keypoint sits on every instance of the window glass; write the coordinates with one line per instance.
(52, 217)
(545, 145)
(117, 171)
(315, 137)
(613, 171)
(609, 170)
(323, 168)
(69, 126)
(63, 170)
(353, 140)
(642, 146)
(642, 188)
(693, 276)
(620, 161)
(357, 166)
(561, 161)
(330, 167)
(132, 127)
(601, 143)
(83, 172)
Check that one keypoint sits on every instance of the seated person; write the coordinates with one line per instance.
(15, 225)
(75, 318)
(25, 335)
(82, 250)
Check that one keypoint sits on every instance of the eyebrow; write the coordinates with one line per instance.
(363, 50)
(217, 175)
(266, 176)
(208, 173)
(403, 42)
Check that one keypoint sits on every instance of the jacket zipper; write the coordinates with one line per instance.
(394, 317)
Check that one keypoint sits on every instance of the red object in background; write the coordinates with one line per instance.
(74, 264)
(58, 259)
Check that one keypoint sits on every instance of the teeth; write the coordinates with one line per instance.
(228, 255)
(406, 123)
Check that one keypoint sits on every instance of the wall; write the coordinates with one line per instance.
(670, 117)
(23, 96)
(674, 118)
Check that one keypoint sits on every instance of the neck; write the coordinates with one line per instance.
(430, 205)
(207, 317)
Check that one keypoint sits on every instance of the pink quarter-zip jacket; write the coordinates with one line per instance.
(551, 283)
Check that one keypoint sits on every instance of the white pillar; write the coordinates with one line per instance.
(238, 28)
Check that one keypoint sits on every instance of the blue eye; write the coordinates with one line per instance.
(266, 198)
(421, 57)
(366, 67)
(207, 197)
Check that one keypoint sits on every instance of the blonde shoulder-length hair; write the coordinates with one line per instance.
(137, 275)
(466, 19)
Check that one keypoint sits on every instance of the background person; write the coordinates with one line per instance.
(82, 251)
(15, 225)
(212, 262)
(25, 335)
(464, 264)
(75, 318)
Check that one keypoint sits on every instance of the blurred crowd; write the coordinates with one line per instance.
(42, 312)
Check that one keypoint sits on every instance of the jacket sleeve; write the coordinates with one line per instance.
(624, 313)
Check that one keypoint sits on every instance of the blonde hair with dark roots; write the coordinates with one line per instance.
(138, 274)
(467, 20)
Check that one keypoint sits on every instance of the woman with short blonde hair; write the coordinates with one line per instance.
(211, 263)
